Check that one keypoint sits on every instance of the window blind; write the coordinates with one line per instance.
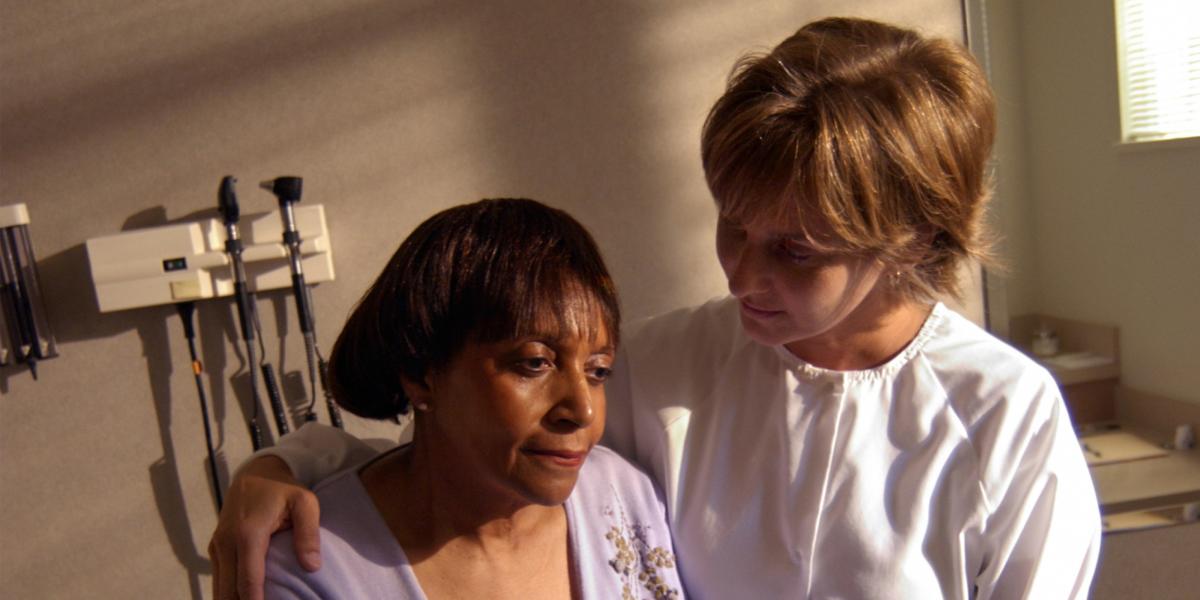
(1159, 55)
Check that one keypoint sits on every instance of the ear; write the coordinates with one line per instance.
(419, 392)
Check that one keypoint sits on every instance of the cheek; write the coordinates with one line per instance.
(600, 408)
(513, 411)
(727, 250)
(832, 290)
(813, 291)
(860, 278)
(485, 415)
(802, 286)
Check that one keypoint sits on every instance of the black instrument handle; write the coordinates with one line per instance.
(276, 400)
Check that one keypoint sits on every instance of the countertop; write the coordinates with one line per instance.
(1148, 483)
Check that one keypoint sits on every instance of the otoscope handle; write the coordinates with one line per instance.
(335, 415)
(300, 290)
(276, 400)
(245, 317)
(256, 436)
(227, 204)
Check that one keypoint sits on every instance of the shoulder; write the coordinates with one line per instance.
(1011, 409)
(284, 575)
(678, 357)
(357, 550)
(606, 473)
(982, 375)
(956, 344)
(713, 321)
(609, 483)
(337, 497)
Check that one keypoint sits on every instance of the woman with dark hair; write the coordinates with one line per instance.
(831, 429)
(497, 323)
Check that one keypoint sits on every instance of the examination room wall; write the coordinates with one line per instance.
(1097, 232)
(1102, 232)
(123, 115)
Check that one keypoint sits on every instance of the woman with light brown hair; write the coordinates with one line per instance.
(831, 429)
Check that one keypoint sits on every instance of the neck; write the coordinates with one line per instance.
(428, 505)
(876, 331)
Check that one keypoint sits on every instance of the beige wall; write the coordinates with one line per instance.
(122, 115)
(1097, 231)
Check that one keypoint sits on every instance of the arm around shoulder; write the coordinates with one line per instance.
(316, 451)
(270, 493)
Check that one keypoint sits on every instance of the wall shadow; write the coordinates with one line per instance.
(75, 317)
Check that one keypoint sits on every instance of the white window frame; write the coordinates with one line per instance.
(1158, 57)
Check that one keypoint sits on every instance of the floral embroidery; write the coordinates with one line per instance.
(636, 562)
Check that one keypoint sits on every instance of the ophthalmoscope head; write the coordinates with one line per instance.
(286, 189)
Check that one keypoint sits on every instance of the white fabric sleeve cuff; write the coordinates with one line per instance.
(316, 451)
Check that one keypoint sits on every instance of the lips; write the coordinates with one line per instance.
(757, 311)
(572, 459)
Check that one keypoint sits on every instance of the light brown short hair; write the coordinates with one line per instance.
(870, 133)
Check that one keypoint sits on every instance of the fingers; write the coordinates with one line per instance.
(216, 570)
(306, 517)
(224, 586)
(262, 499)
(251, 562)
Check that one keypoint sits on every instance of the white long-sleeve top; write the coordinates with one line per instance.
(951, 471)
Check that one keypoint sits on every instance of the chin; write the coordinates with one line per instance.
(549, 493)
(763, 334)
(789, 333)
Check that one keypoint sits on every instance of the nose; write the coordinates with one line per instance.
(577, 402)
(746, 271)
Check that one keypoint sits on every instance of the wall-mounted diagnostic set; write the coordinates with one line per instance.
(188, 261)
(234, 256)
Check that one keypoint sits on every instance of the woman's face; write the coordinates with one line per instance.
(520, 416)
(790, 293)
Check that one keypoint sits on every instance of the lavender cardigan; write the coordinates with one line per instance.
(620, 544)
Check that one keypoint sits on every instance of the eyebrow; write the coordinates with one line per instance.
(558, 336)
(798, 239)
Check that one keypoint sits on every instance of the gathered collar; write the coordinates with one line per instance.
(887, 369)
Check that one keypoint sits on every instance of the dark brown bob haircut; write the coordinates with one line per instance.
(874, 139)
(485, 272)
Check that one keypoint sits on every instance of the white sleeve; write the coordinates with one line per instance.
(618, 427)
(316, 451)
(1043, 535)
